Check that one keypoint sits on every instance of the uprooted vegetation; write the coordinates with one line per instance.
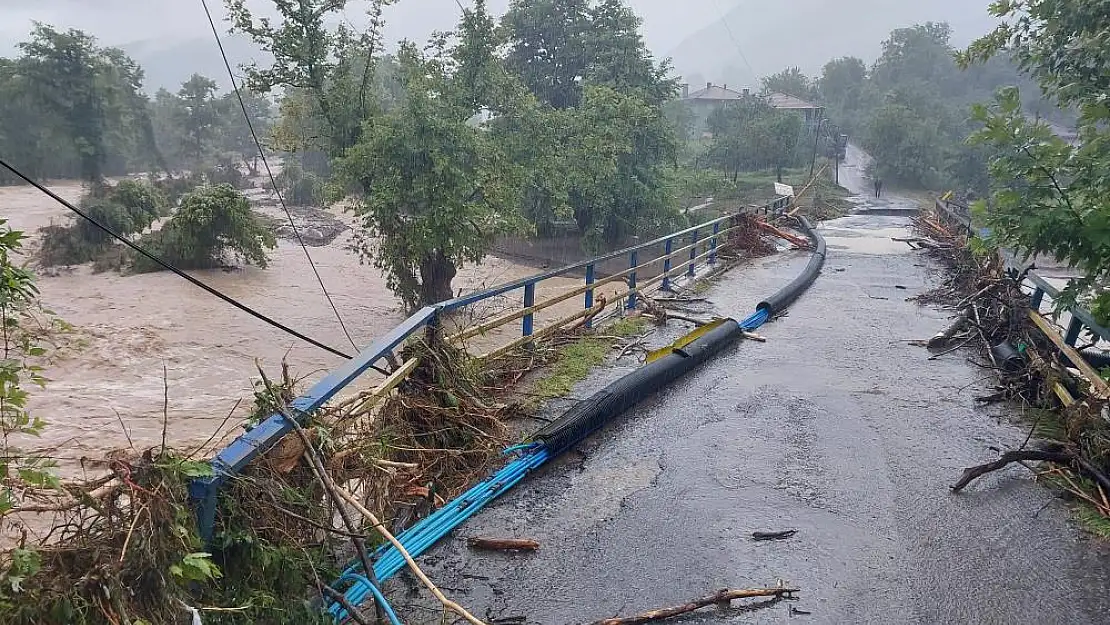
(213, 225)
(1067, 408)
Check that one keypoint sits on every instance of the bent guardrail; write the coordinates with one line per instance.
(695, 245)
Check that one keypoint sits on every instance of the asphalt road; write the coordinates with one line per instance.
(836, 427)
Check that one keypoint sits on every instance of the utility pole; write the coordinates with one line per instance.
(816, 141)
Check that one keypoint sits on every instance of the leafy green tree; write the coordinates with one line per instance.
(18, 370)
(843, 88)
(558, 47)
(548, 47)
(237, 139)
(436, 188)
(336, 66)
(790, 82)
(199, 118)
(623, 148)
(1049, 196)
(68, 68)
(213, 225)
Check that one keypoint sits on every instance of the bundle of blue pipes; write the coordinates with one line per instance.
(570, 429)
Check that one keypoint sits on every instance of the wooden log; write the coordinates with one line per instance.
(503, 544)
(782, 234)
(1099, 388)
(721, 597)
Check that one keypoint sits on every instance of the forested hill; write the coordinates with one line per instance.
(807, 33)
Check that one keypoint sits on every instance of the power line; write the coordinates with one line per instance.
(241, 306)
(735, 41)
(270, 173)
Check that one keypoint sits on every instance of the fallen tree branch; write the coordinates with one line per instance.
(721, 597)
(503, 544)
(1031, 455)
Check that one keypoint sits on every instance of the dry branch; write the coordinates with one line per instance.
(503, 544)
(720, 598)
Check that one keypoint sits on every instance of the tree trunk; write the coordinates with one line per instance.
(778, 170)
(436, 274)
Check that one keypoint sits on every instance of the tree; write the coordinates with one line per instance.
(18, 311)
(558, 47)
(69, 71)
(1049, 196)
(336, 66)
(790, 82)
(548, 48)
(622, 148)
(213, 225)
(199, 117)
(436, 188)
(237, 138)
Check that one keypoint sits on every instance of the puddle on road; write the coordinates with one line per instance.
(867, 234)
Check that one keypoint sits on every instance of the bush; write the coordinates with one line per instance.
(128, 208)
(214, 225)
(300, 187)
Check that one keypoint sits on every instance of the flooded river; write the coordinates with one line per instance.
(127, 328)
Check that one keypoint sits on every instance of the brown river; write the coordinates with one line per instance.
(127, 327)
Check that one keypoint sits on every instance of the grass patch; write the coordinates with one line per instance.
(1091, 520)
(574, 361)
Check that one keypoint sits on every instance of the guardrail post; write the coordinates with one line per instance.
(1074, 329)
(667, 250)
(693, 251)
(529, 301)
(633, 261)
(589, 293)
(1038, 299)
(713, 244)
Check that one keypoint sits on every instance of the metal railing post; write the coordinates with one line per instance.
(693, 252)
(713, 244)
(529, 301)
(667, 250)
(589, 294)
(633, 261)
(1074, 330)
(1038, 299)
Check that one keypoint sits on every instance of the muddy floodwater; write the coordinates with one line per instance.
(127, 328)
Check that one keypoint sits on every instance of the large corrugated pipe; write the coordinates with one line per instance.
(782, 300)
(613, 400)
(618, 397)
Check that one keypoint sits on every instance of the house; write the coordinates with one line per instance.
(703, 102)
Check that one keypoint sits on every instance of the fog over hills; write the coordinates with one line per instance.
(171, 40)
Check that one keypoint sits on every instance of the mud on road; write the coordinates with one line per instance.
(836, 427)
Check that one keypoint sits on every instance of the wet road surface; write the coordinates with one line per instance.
(836, 427)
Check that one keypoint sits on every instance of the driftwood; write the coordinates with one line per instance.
(503, 544)
(783, 535)
(721, 598)
(1032, 455)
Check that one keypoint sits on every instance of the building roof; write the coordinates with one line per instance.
(783, 101)
(718, 93)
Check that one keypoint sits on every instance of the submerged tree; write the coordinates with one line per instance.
(213, 225)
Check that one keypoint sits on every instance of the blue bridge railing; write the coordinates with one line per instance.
(679, 253)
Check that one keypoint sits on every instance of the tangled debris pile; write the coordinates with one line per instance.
(1033, 366)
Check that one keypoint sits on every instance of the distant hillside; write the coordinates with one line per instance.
(808, 33)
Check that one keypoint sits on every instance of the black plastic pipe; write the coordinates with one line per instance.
(782, 300)
(613, 400)
(618, 397)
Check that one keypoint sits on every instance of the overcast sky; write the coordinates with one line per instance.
(118, 22)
